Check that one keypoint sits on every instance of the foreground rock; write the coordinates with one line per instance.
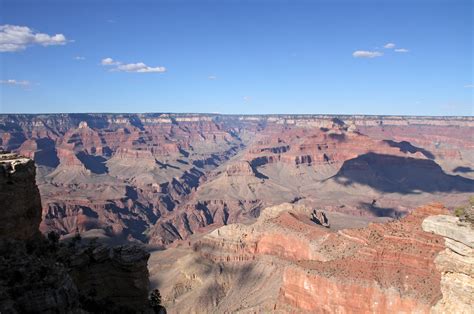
(20, 216)
(456, 263)
(285, 262)
(39, 275)
(118, 275)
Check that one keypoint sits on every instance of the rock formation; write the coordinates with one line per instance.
(456, 263)
(158, 178)
(20, 215)
(320, 218)
(285, 262)
(43, 276)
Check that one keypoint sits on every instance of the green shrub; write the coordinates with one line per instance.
(459, 211)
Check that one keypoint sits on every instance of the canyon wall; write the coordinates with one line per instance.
(159, 177)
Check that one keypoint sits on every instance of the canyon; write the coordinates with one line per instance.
(158, 178)
(346, 214)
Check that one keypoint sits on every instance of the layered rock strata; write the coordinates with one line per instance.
(301, 266)
(456, 263)
(159, 177)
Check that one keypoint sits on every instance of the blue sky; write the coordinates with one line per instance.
(343, 57)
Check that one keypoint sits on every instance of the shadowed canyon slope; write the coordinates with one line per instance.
(161, 177)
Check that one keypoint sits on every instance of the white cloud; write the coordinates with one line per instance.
(109, 61)
(247, 98)
(469, 86)
(16, 38)
(366, 54)
(401, 50)
(212, 77)
(139, 67)
(79, 58)
(389, 45)
(15, 82)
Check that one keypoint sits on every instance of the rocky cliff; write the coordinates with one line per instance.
(39, 275)
(20, 216)
(456, 263)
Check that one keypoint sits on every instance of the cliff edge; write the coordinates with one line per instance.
(20, 214)
(456, 263)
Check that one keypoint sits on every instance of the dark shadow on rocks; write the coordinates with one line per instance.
(136, 122)
(407, 147)
(96, 164)
(463, 169)
(257, 173)
(46, 154)
(168, 202)
(165, 166)
(131, 193)
(394, 174)
(337, 137)
(211, 162)
(87, 211)
(183, 152)
(201, 206)
(381, 211)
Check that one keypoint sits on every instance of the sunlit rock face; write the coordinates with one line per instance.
(456, 263)
(354, 266)
(158, 178)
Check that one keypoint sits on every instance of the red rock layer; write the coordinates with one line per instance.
(383, 268)
(146, 172)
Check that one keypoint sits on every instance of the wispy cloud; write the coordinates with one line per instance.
(247, 98)
(212, 77)
(109, 61)
(366, 54)
(401, 50)
(15, 82)
(469, 86)
(140, 67)
(79, 58)
(376, 53)
(16, 38)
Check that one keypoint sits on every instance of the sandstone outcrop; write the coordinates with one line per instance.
(456, 263)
